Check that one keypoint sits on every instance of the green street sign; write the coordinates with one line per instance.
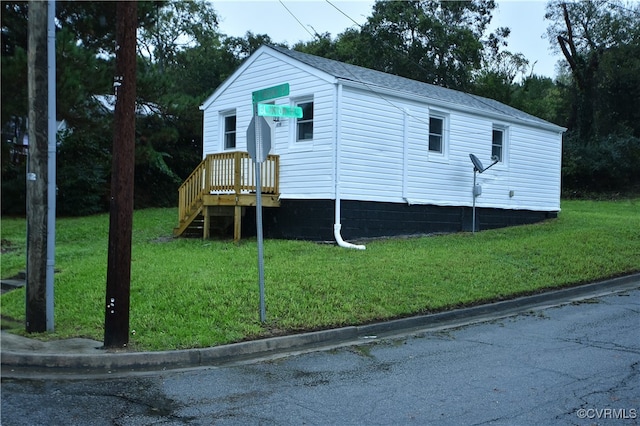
(270, 93)
(268, 110)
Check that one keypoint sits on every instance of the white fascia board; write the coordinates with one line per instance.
(304, 67)
(450, 105)
(246, 64)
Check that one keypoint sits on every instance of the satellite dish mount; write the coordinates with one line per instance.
(477, 190)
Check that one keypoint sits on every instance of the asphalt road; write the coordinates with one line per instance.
(576, 364)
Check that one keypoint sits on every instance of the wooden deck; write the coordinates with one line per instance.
(221, 187)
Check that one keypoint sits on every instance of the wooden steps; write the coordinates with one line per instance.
(218, 191)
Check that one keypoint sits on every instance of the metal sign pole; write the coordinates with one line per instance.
(473, 223)
(51, 162)
(257, 162)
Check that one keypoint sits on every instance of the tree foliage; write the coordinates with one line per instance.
(432, 41)
(439, 42)
(607, 164)
(183, 58)
(176, 27)
(600, 40)
(497, 78)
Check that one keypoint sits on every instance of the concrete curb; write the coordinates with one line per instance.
(97, 361)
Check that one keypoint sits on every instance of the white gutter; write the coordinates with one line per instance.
(337, 226)
(405, 155)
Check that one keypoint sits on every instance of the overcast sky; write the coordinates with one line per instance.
(524, 17)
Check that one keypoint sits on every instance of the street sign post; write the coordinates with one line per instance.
(259, 145)
(268, 110)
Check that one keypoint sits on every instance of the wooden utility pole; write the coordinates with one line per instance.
(116, 324)
(37, 170)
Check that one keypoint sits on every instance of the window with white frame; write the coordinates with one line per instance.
(498, 144)
(230, 131)
(304, 125)
(437, 134)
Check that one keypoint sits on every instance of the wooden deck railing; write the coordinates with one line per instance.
(226, 173)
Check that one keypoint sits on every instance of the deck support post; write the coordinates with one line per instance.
(237, 222)
(207, 223)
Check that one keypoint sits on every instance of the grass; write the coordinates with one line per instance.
(189, 293)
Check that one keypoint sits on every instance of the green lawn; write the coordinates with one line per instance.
(189, 293)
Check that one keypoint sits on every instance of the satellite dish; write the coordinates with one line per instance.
(476, 163)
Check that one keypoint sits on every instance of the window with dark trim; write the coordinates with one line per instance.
(304, 125)
(497, 144)
(229, 132)
(436, 134)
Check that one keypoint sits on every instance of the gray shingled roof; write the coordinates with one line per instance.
(375, 78)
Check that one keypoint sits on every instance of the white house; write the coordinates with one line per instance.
(377, 155)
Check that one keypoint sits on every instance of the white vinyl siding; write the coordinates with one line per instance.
(534, 164)
(371, 148)
(437, 181)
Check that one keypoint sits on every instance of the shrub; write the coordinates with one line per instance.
(609, 163)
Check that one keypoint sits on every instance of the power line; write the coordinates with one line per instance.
(296, 18)
(347, 16)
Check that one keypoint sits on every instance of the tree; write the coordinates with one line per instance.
(618, 83)
(177, 25)
(14, 60)
(542, 97)
(80, 74)
(243, 47)
(323, 45)
(168, 144)
(438, 42)
(83, 167)
(591, 33)
(181, 60)
(497, 77)
(600, 41)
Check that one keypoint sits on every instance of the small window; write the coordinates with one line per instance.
(304, 125)
(497, 145)
(436, 134)
(229, 132)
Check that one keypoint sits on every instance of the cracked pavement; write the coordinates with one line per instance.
(548, 366)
